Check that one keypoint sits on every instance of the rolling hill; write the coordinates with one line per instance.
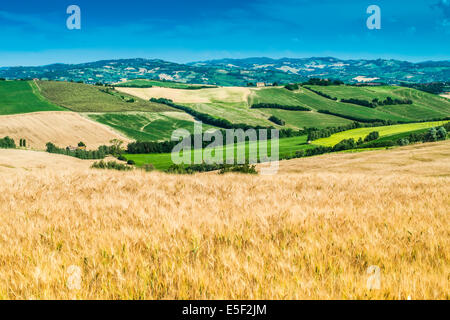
(87, 98)
(147, 126)
(23, 97)
(234, 104)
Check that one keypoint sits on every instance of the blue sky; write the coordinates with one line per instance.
(35, 32)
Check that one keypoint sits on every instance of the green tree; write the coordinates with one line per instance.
(441, 133)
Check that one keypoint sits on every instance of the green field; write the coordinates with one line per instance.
(23, 97)
(287, 147)
(144, 83)
(80, 97)
(425, 105)
(304, 119)
(384, 131)
(147, 126)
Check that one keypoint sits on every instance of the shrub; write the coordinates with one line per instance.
(121, 158)
(148, 167)
(345, 144)
(372, 136)
(244, 168)
(441, 133)
(292, 87)
(277, 120)
(111, 165)
(7, 143)
(131, 162)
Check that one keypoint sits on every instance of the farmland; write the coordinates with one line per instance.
(384, 131)
(425, 105)
(147, 126)
(287, 147)
(234, 104)
(310, 232)
(61, 128)
(86, 98)
(23, 97)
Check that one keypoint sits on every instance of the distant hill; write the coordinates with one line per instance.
(239, 72)
(388, 71)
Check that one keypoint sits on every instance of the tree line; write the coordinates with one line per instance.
(143, 147)
(206, 118)
(100, 153)
(376, 102)
(327, 132)
(279, 106)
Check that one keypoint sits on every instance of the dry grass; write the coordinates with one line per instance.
(61, 128)
(223, 94)
(423, 159)
(13, 160)
(143, 235)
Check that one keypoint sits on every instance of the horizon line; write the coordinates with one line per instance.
(226, 58)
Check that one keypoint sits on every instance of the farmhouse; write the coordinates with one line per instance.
(72, 148)
(260, 84)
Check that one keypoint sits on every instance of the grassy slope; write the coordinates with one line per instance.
(23, 97)
(304, 97)
(383, 131)
(85, 98)
(425, 105)
(146, 126)
(287, 146)
(234, 106)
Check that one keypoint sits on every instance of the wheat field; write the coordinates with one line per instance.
(62, 128)
(79, 233)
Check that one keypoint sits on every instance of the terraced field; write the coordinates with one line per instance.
(147, 126)
(22, 97)
(384, 131)
(86, 98)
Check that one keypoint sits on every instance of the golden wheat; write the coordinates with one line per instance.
(90, 234)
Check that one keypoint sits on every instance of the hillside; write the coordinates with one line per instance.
(309, 232)
(384, 131)
(86, 98)
(234, 104)
(420, 160)
(147, 126)
(62, 128)
(22, 97)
